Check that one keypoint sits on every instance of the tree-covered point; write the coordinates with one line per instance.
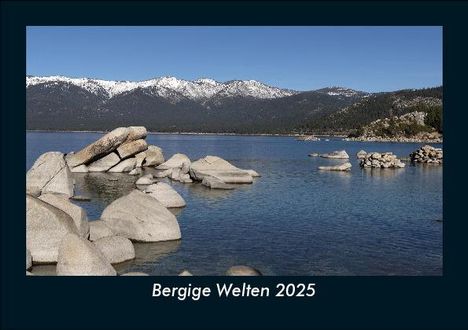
(378, 106)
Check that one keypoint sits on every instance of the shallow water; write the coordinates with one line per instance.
(294, 220)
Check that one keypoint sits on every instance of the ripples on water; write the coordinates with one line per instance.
(294, 220)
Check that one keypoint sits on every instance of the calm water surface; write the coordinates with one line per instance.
(294, 220)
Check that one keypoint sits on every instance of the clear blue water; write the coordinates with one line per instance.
(294, 220)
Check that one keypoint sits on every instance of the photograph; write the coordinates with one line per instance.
(234, 150)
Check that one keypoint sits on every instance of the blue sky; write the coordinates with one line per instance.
(303, 58)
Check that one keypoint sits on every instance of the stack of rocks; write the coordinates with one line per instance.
(428, 154)
(361, 154)
(381, 160)
(176, 168)
(121, 150)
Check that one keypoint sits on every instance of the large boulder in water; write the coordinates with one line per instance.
(153, 157)
(46, 225)
(99, 229)
(116, 249)
(131, 148)
(49, 174)
(99, 148)
(140, 217)
(78, 256)
(78, 214)
(105, 163)
(165, 194)
(340, 154)
(218, 168)
(176, 161)
(124, 166)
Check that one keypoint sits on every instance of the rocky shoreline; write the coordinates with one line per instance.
(395, 139)
(408, 128)
(59, 232)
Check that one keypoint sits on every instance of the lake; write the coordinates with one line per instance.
(294, 220)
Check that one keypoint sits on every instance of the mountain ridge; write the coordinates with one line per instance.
(168, 104)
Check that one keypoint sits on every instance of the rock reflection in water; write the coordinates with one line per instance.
(104, 187)
(204, 192)
(383, 172)
(147, 255)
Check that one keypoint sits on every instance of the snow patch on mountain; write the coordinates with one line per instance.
(342, 91)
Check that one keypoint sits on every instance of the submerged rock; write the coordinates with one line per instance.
(81, 198)
(46, 225)
(215, 183)
(140, 217)
(78, 256)
(253, 173)
(314, 154)
(165, 194)
(342, 167)
(242, 271)
(220, 169)
(100, 148)
(340, 154)
(49, 174)
(78, 214)
(105, 163)
(116, 249)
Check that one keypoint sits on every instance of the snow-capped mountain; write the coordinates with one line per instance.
(171, 104)
(168, 87)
